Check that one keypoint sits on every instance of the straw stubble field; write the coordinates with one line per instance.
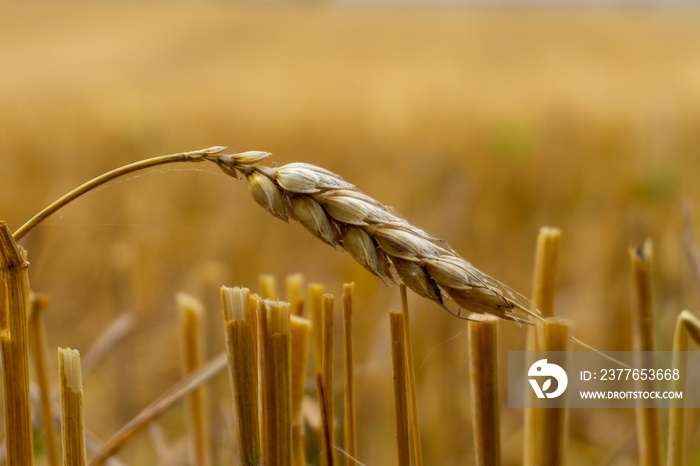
(478, 124)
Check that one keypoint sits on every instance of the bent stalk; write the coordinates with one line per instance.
(192, 156)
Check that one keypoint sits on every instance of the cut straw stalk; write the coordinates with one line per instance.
(276, 384)
(398, 363)
(411, 380)
(544, 282)
(543, 290)
(268, 287)
(349, 393)
(72, 419)
(242, 366)
(552, 423)
(93, 446)
(327, 355)
(105, 342)
(483, 356)
(300, 330)
(14, 298)
(37, 337)
(295, 293)
(686, 325)
(316, 308)
(327, 457)
(648, 422)
(191, 312)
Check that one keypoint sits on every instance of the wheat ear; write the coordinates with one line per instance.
(339, 214)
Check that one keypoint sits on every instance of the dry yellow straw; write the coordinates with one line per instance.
(14, 298)
(483, 366)
(242, 366)
(191, 312)
(327, 457)
(349, 397)
(256, 309)
(300, 335)
(544, 280)
(552, 423)
(316, 307)
(648, 423)
(37, 337)
(72, 421)
(327, 356)
(398, 360)
(543, 289)
(411, 379)
(276, 383)
(268, 287)
(686, 324)
(295, 298)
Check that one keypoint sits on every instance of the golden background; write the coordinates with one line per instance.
(479, 124)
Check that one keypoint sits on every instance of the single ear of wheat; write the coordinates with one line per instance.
(339, 214)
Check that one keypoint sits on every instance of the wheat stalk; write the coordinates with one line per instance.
(72, 412)
(339, 214)
(326, 371)
(483, 368)
(191, 312)
(38, 344)
(243, 376)
(411, 380)
(14, 299)
(349, 417)
(648, 416)
(398, 365)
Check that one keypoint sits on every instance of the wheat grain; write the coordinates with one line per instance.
(339, 214)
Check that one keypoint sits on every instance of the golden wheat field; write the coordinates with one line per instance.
(479, 124)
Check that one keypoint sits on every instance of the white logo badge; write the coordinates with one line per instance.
(543, 369)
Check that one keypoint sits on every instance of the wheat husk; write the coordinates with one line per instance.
(339, 214)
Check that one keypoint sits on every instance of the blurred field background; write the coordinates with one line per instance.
(479, 124)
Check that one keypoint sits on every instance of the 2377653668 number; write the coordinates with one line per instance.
(639, 374)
